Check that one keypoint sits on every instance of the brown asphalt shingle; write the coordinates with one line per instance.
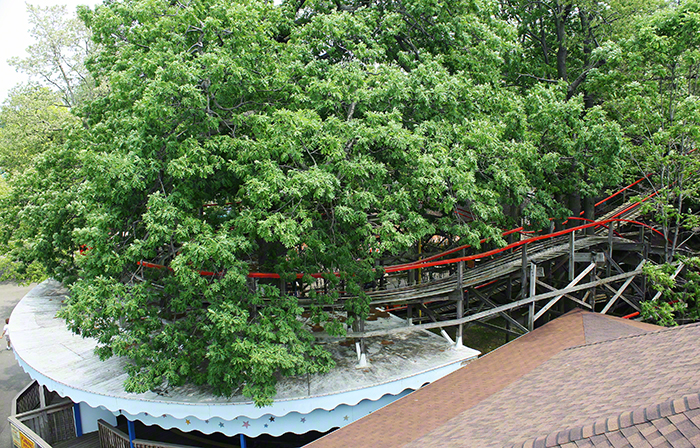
(581, 385)
(674, 423)
(431, 408)
(598, 328)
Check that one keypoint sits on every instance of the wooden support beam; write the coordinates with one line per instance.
(431, 314)
(503, 315)
(617, 267)
(619, 292)
(490, 312)
(533, 290)
(572, 251)
(496, 327)
(622, 296)
(556, 298)
(509, 288)
(609, 253)
(568, 296)
(593, 288)
(560, 264)
(460, 302)
(523, 271)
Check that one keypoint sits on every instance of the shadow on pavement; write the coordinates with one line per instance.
(12, 377)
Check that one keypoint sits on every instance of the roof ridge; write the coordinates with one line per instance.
(572, 313)
(635, 335)
(617, 422)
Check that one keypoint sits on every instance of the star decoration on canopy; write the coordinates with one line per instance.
(246, 424)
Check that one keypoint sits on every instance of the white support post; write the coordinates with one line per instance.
(361, 356)
(362, 361)
(447, 337)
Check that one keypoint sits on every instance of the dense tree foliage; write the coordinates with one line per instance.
(32, 120)
(320, 137)
(650, 85)
(57, 58)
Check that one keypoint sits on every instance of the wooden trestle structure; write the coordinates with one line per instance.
(596, 266)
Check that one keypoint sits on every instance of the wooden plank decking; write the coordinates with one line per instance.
(91, 440)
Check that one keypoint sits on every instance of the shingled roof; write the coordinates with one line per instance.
(584, 379)
(673, 423)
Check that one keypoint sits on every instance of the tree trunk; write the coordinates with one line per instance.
(558, 223)
(589, 212)
(588, 44)
(575, 207)
(560, 17)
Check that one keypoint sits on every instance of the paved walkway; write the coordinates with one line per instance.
(12, 377)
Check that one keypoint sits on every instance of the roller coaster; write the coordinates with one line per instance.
(596, 265)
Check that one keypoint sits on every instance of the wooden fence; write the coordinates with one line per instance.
(138, 443)
(33, 424)
(54, 423)
(23, 437)
(111, 437)
(28, 399)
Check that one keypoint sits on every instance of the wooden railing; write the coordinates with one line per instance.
(23, 436)
(56, 423)
(111, 437)
(28, 399)
(53, 424)
(138, 443)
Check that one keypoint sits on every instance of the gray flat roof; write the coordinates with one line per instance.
(65, 362)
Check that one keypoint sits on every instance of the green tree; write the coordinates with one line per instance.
(309, 137)
(650, 86)
(679, 301)
(579, 151)
(31, 120)
(559, 38)
(57, 57)
(580, 156)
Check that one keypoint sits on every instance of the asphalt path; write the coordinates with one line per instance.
(12, 377)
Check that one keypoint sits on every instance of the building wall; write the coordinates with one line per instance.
(89, 417)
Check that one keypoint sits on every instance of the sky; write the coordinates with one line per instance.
(14, 34)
